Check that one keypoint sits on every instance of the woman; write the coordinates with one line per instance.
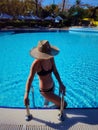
(44, 65)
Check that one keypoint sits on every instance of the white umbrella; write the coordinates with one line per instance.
(58, 18)
(6, 16)
(21, 17)
(31, 17)
(49, 18)
(37, 18)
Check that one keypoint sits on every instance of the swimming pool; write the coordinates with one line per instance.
(77, 64)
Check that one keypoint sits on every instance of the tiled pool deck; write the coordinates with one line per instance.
(46, 119)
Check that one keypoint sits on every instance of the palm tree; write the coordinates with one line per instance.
(36, 2)
(63, 5)
(78, 2)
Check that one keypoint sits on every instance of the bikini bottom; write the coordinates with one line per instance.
(48, 90)
(51, 90)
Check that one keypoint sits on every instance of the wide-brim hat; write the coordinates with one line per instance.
(44, 50)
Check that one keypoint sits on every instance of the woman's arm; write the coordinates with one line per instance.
(55, 71)
(29, 81)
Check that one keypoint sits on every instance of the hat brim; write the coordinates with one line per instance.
(40, 55)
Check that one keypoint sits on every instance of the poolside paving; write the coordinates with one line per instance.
(47, 119)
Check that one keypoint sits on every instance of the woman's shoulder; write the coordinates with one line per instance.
(35, 63)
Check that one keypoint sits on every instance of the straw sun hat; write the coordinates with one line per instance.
(44, 50)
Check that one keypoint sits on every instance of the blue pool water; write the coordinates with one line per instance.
(77, 64)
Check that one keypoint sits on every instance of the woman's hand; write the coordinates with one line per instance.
(62, 89)
(26, 100)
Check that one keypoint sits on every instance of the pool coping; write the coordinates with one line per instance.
(44, 29)
(75, 119)
(47, 29)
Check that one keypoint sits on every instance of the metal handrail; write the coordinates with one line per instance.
(29, 117)
(61, 114)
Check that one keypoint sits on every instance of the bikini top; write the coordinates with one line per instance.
(44, 72)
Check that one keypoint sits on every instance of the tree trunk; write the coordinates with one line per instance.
(36, 1)
(63, 5)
